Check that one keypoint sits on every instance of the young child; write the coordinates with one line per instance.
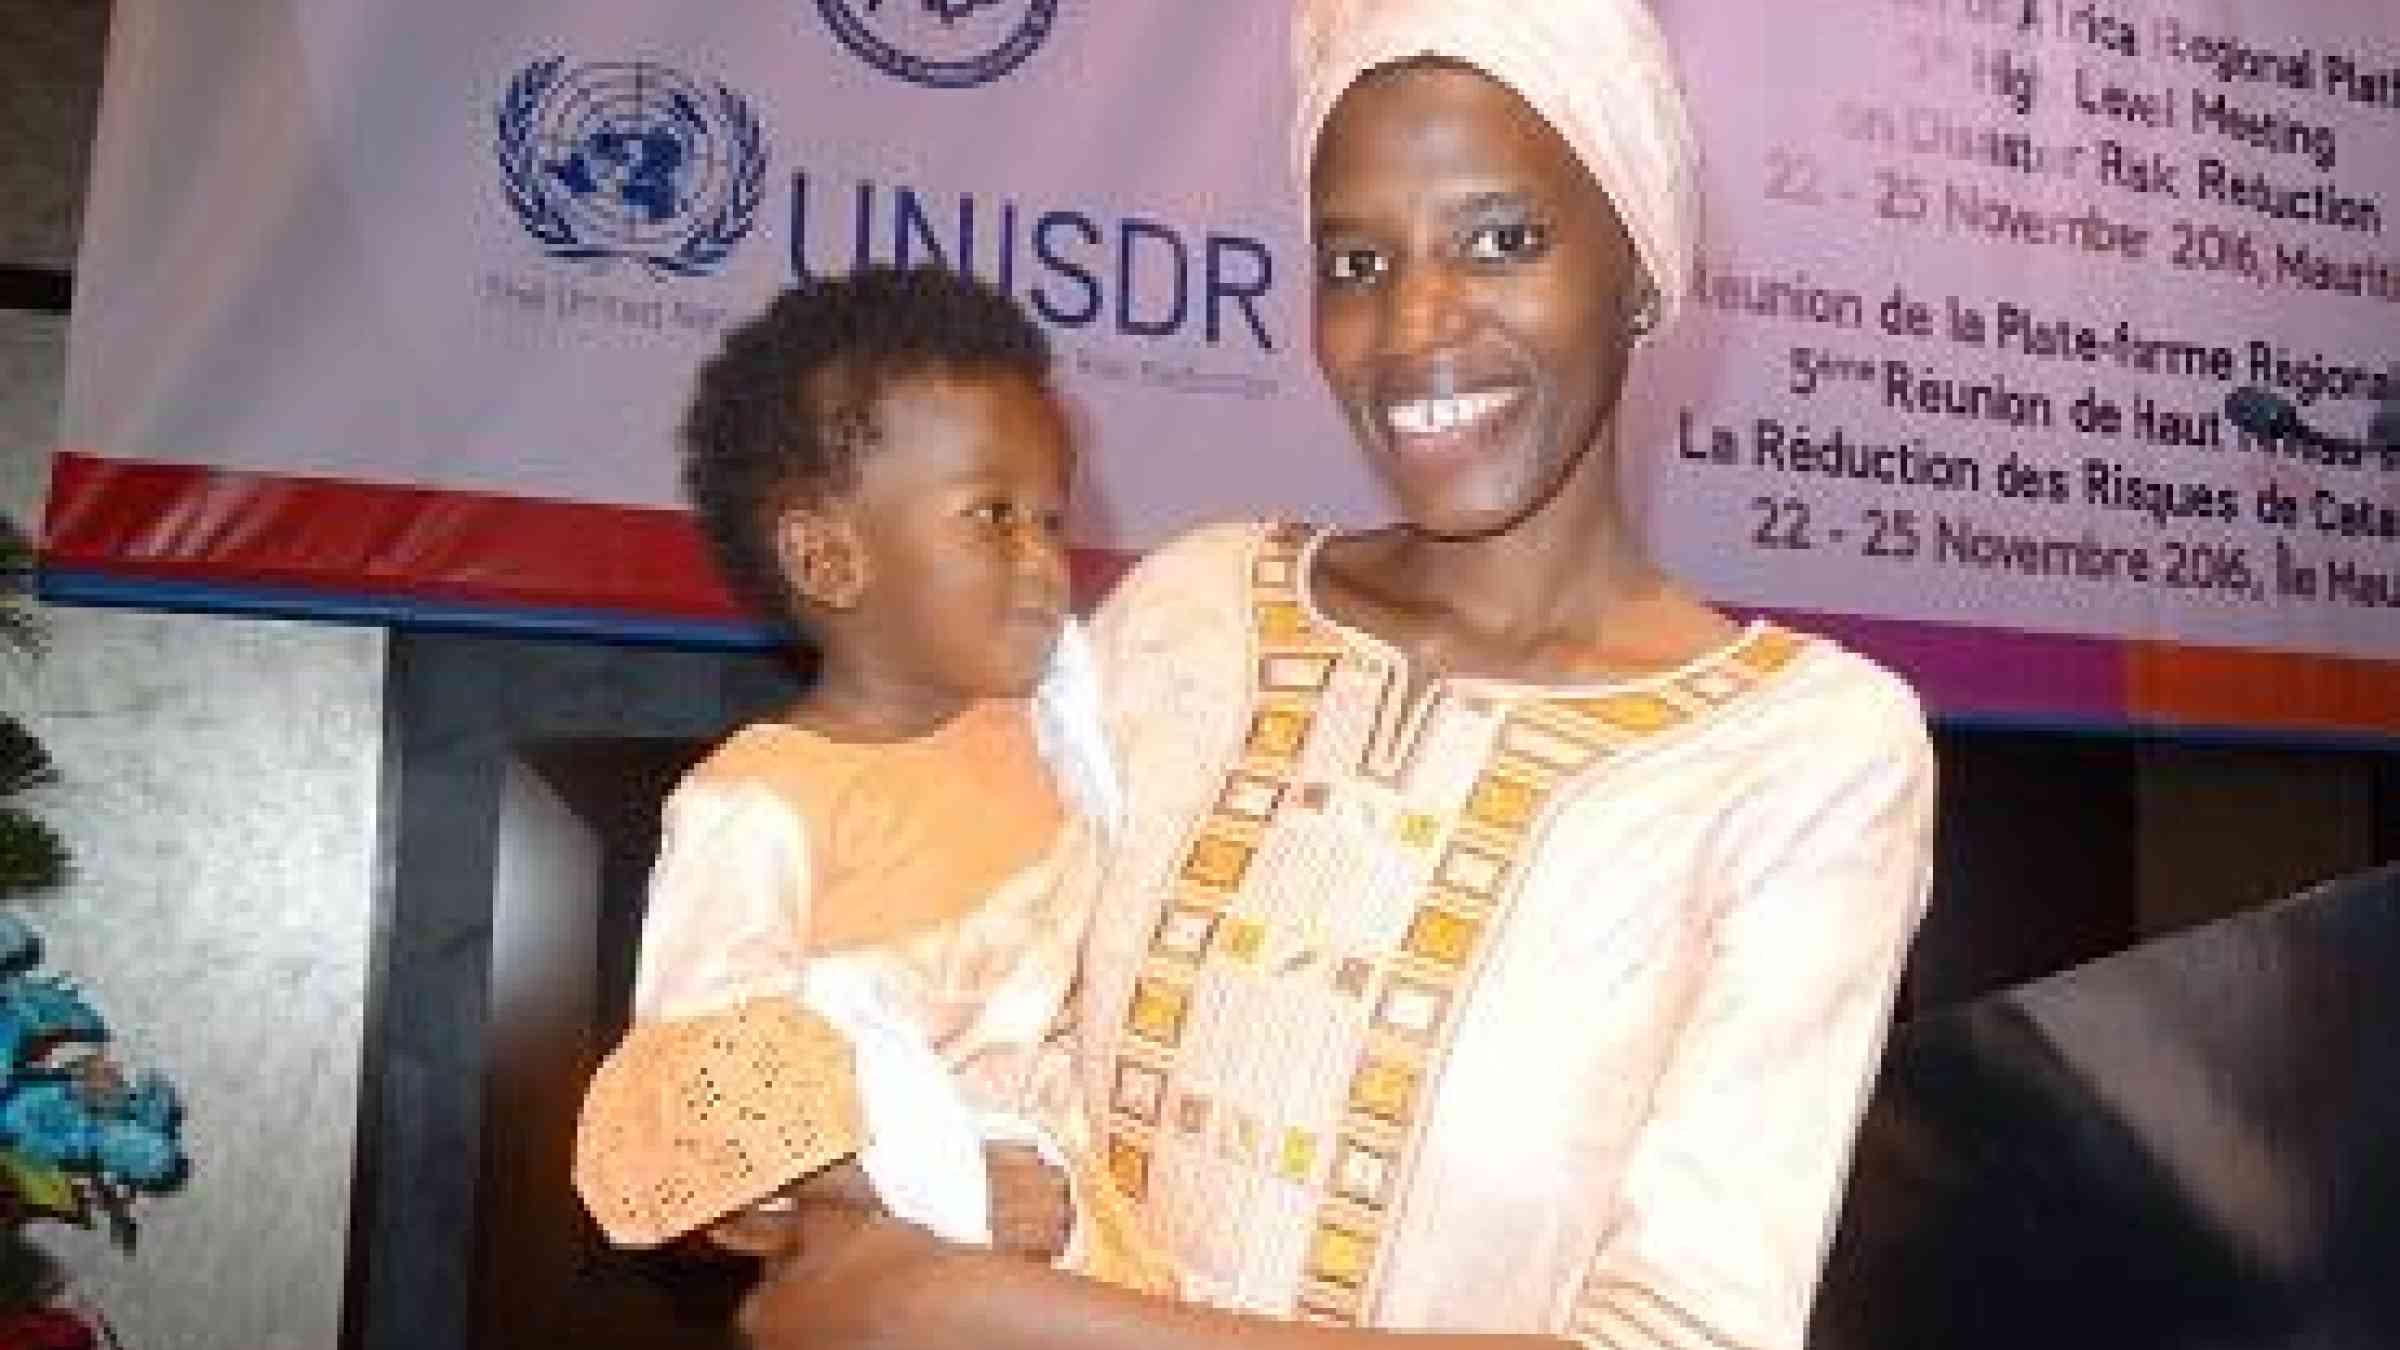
(863, 918)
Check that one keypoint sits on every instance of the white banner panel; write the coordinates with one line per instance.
(1979, 278)
(467, 245)
(1981, 275)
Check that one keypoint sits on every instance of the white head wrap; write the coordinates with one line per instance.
(1598, 71)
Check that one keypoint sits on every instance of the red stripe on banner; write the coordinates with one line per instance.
(187, 523)
(2226, 686)
(191, 523)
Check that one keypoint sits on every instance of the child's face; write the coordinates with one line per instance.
(959, 514)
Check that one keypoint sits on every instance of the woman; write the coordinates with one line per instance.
(1504, 939)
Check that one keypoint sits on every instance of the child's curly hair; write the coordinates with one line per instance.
(781, 413)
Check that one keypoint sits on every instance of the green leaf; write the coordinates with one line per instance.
(40, 1185)
(20, 622)
(24, 764)
(16, 548)
(32, 856)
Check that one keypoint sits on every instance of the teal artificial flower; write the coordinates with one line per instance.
(46, 1119)
(49, 1008)
(152, 1104)
(137, 1155)
(13, 1035)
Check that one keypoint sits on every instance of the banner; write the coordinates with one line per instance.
(390, 310)
(1981, 277)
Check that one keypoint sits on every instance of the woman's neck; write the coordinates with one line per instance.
(1567, 592)
(1565, 569)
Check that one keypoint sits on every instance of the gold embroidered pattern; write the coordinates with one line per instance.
(1419, 829)
(1128, 1165)
(1158, 1009)
(1340, 1255)
(1768, 650)
(1295, 662)
(1399, 1008)
(1299, 1155)
(1543, 744)
(1276, 734)
(1633, 714)
(1218, 862)
(1242, 938)
(1444, 937)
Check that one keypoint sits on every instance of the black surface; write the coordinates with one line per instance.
(2193, 1145)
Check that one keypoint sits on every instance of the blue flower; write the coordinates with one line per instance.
(49, 1007)
(152, 1103)
(17, 941)
(137, 1155)
(13, 1035)
(46, 1120)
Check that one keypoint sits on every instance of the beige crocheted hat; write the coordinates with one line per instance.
(690, 1120)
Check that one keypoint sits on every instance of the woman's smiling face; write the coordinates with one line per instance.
(1475, 291)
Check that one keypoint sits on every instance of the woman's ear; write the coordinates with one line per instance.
(822, 556)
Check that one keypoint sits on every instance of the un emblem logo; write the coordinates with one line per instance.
(617, 159)
(942, 44)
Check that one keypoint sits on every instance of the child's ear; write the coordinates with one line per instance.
(822, 554)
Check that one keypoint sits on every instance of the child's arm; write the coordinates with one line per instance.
(726, 966)
(726, 1088)
(727, 915)
(691, 1119)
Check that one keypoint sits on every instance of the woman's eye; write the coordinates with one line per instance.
(989, 513)
(1505, 242)
(1350, 266)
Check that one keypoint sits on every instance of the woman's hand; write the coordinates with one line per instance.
(1032, 1210)
(857, 1288)
(888, 1285)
